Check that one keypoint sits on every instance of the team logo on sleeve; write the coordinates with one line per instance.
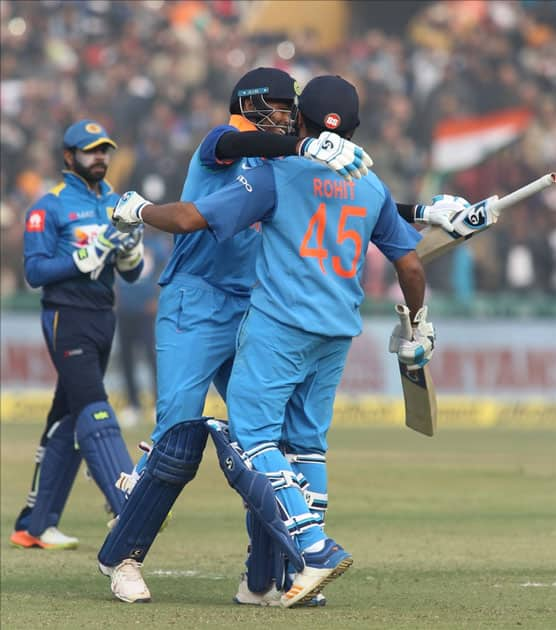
(332, 121)
(35, 221)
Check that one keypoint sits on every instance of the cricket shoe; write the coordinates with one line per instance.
(247, 597)
(51, 538)
(321, 567)
(126, 582)
(270, 598)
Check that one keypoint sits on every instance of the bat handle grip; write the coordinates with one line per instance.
(405, 321)
(522, 193)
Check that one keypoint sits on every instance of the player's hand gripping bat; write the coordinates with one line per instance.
(418, 389)
(475, 219)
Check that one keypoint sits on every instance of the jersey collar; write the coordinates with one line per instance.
(76, 180)
(241, 123)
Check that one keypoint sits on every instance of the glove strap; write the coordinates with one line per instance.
(304, 146)
(419, 212)
(139, 211)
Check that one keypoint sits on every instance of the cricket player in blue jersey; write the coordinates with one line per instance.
(205, 291)
(72, 252)
(304, 310)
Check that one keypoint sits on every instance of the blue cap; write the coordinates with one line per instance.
(331, 103)
(87, 134)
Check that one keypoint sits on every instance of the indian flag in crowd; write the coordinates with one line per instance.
(459, 143)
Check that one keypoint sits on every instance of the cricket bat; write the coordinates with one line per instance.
(475, 219)
(418, 389)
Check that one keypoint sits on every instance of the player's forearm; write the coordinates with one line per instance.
(41, 270)
(406, 211)
(234, 145)
(177, 218)
(411, 277)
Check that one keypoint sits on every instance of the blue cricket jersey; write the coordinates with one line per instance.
(315, 231)
(227, 265)
(68, 217)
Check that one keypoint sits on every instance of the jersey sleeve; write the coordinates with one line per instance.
(42, 266)
(251, 197)
(133, 274)
(207, 153)
(392, 234)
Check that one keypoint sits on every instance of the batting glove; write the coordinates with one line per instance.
(441, 212)
(417, 352)
(131, 250)
(340, 155)
(127, 481)
(127, 213)
(93, 258)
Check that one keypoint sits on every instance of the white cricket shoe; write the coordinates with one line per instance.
(51, 538)
(321, 567)
(126, 581)
(271, 598)
(245, 596)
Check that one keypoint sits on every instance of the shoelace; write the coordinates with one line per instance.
(130, 571)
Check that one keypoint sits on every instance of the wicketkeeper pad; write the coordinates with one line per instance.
(102, 447)
(58, 469)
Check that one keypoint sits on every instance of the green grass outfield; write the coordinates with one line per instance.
(457, 531)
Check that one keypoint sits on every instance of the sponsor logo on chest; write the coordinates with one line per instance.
(81, 214)
(85, 234)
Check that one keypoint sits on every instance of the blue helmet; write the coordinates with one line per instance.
(260, 86)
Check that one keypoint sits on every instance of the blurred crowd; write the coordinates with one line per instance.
(158, 75)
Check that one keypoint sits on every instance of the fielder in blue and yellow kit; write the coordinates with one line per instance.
(72, 252)
(293, 342)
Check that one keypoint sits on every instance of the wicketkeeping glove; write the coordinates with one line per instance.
(416, 352)
(441, 212)
(340, 155)
(130, 252)
(92, 258)
(127, 213)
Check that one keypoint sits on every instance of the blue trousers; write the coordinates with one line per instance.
(283, 385)
(196, 330)
(280, 399)
(79, 342)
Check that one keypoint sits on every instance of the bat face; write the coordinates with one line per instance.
(419, 399)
